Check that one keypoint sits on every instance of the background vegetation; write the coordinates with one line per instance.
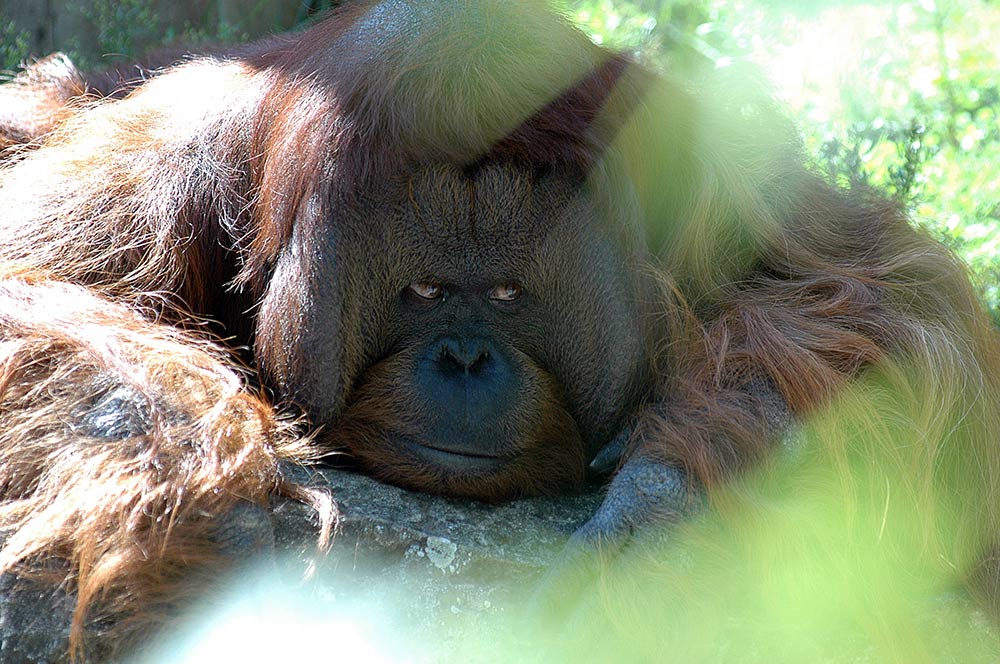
(903, 95)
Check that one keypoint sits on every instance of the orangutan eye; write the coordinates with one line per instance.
(427, 290)
(506, 292)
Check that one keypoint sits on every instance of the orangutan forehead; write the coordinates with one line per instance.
(492, 205)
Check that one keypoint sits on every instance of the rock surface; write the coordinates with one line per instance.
(433, 564)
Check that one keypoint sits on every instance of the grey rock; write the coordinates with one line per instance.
(34, 621)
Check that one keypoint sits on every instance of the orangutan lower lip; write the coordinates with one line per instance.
(446, 457)
(461, 453)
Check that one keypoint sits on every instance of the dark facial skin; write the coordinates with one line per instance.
(500, 343)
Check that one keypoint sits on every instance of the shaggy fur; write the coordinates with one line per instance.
(125, 442)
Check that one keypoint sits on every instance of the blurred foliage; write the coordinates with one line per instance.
(903, 96)
(13, 45)
(131, 27)
(123, 25)
(127, 29)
